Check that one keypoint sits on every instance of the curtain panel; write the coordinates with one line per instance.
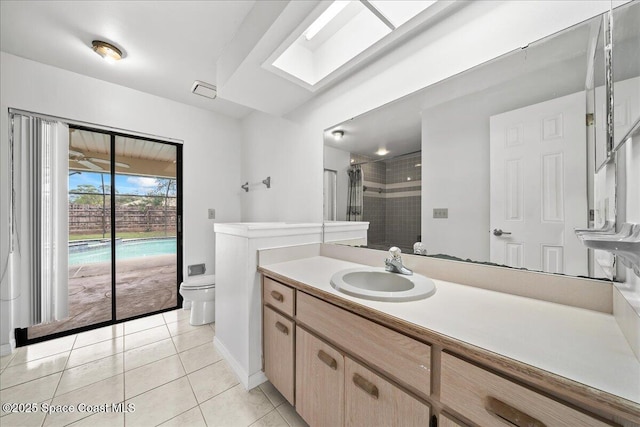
(39, 151)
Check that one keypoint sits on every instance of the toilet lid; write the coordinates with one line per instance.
(200, 282)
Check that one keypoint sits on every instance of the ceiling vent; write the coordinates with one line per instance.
(204, 89)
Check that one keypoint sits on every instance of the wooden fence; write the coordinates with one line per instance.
(90, 219)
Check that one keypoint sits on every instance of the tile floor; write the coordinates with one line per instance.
(168, 370)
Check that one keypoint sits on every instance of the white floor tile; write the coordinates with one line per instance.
(5, 360)
(18, 374)
(90, 353)
(272, 393)
(34, 419)
(43, 349)
(143, 323)
(193, 339)
(212, 380)
(182, 327)
(149, 353)
(161, 404)
(103, 419)
(176, 315)
(101, 334)
(38, 390)
(236, 407)
(107, 391)
(192, 418)
(290, 415)
(199, 357)
(152, 375)
(90, 373)
(272, 419)
(148, 336)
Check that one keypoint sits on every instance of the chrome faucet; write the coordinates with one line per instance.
(394, 262)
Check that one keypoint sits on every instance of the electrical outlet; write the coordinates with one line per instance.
(212, 214)
(441, 213)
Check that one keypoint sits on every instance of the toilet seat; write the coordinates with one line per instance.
(191, 287)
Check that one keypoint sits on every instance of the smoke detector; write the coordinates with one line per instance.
(204, 89)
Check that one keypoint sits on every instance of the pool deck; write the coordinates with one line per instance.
(143, 285)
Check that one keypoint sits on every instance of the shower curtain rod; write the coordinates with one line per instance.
(388, 158)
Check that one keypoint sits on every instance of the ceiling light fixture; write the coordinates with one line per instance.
(107, 51)
(337, 134)
(382, 152)
(326, 17)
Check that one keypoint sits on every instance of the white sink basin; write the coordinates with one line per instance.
(379, 285)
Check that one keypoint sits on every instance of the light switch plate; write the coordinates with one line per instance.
(212, 214)
(441, 213)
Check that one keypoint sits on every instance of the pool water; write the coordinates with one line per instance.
(127, 249)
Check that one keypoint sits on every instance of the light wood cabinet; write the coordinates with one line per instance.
(351, 371)
(279, 296)
(388, 351)
(444, 420)
(278, 336)
(488, 399)
(319, 381)
(370, 400)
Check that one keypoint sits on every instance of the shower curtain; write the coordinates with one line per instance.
(354, 203)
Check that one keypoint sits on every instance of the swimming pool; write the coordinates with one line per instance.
(100, 251)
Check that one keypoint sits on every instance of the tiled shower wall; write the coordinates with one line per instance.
(394, 212)
(374, 204)
(403, 206)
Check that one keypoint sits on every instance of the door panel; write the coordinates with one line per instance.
(145, 226)
(538, 159)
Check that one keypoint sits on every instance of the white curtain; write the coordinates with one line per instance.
(39, 150)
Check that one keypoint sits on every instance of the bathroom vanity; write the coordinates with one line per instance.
(464, 356)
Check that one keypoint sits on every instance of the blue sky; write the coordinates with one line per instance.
(125, 184)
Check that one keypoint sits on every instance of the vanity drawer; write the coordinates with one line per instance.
(486, 398)
(279, 296)
(401, 357)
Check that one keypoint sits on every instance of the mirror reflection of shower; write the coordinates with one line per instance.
(387, 194)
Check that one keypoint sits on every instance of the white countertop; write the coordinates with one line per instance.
(581, 345)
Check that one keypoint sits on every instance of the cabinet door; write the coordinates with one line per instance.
(319, 381)
(370, 401)
(278, 352)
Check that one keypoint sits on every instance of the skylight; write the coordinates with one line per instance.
(340, 33)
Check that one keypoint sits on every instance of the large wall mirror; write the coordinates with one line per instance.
(496, 164)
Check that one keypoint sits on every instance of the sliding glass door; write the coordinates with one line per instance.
(124, 211)
(145, 226)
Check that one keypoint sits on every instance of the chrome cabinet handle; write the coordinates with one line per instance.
(366, 385)
(328, 360)
(498, 232)
(510, 414)
(277, 296)
(282, 328)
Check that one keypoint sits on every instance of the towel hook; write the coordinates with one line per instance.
(245, 186)
(267, 182)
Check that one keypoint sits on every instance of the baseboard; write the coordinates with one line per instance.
(6, 349)
(256, 379)
(248, 381)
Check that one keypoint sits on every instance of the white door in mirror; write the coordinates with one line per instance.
(379, 285)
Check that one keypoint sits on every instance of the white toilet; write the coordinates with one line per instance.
(199, 293)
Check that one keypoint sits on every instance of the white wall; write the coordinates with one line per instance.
(211, 152)
(479, 32)
(455, 175)
(285, 151)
